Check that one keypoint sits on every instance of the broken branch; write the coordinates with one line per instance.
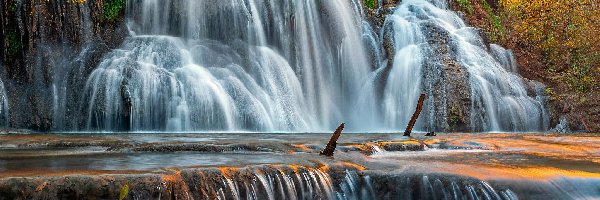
(415, 115)
(330, 148)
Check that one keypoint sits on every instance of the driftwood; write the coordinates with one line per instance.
(415, 115)
(330, 148)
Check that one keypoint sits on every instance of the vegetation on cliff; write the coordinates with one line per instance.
(370, 3)
(112, 9)
(13, 41)
(10, 36)
(555, 42)
(564, 31)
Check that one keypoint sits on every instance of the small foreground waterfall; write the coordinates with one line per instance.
(307, 183)
(272, 65)
(433, 46)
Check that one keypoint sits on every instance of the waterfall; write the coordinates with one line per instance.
(275, 183)
(257, 65)
(3, 106)
(299, 182)
(426, 35)
(437, 186)
(505, 57)
(266, 65)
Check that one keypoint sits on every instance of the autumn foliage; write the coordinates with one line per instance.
(564, 36)
(567, 32)
(556, 42)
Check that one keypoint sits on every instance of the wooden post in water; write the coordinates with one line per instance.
(330, 148)
(415, 115)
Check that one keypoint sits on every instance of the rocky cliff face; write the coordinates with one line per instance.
(49, 47)
(448, 85)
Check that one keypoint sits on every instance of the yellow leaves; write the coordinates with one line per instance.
(41, 187)
(124, 191)
(565, 31)
(552, 94)
(77, 1)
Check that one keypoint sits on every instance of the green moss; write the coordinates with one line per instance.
(111, 10)
(14, 43)
(12, 39)
(497, 30)
(454, 118)
(12, 8)
(466, 6)
(372, 4)
(494, 18)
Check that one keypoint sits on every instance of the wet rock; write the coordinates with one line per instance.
(58, 43)
(444, 79)
(198, 147)
(408, 145)
(254, 182)
(82, 187)
(431, 134)
(447, 83)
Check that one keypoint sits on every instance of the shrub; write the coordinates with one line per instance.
(465, 5)
(112, 9)
(372, 4)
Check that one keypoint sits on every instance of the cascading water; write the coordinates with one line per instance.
(423, 31)
(265, 65)
(235, 65)
(436, 186)
(3, 106)
(505, 57)
(297, 182)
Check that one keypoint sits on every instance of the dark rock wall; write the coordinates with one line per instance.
(49, 48)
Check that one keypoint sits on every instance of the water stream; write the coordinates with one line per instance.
(287, 166)
(262, 65)
(424, 31)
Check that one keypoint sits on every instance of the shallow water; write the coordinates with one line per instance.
(130, 151)
(530, 165)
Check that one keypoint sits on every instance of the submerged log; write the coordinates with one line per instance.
(415, 115)
(330, 148)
